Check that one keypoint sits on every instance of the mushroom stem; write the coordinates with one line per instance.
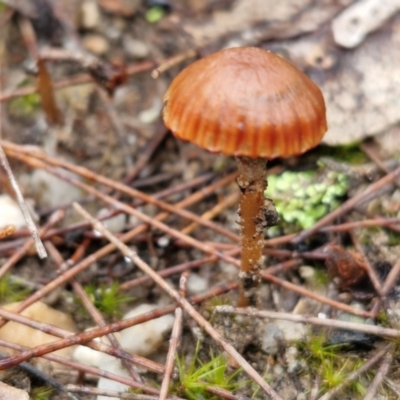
(252, 181)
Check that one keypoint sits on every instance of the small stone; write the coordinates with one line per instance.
(48, 190)
(114, 224)
(271, 337)
(113, 365)
(88, 356)
(196, 284)
(90, 14)
(280, 332)
(29, 337)
(135, 48)
(10, 213)
(96, 44)
(145, 338)
(151, 114)
(11, 393)
(292, 360)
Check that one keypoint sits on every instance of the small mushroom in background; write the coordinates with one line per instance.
(254, 105)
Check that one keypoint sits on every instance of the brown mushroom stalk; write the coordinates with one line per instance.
(252, 181)
(254, 105)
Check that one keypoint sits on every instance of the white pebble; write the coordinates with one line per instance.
(146, 338)
(10, 213)
(196, 284)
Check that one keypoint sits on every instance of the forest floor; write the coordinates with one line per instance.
(82, 86)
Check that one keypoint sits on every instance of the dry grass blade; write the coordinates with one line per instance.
(305, 292)
(174, 341)
(391, 279)
(111, 393)
(40, 160)
(54, 219)
(143, 217)
(183, 303)
(22, 205)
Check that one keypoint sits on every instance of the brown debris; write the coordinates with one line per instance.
(346, 264)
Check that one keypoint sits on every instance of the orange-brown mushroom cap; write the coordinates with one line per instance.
(246, 101)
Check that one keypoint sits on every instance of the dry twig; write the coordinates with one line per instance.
(183, 303)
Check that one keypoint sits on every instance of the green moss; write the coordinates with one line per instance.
(107, 299)
(24, 106)
(216, 301)
(302, 198)
(333, 366)
(195, 378)
(11, 291)
(41, 393)
(154, 14)
(322, 277)
(393, 238)
(350, 154)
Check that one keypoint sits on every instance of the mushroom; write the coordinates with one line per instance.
(254, 105)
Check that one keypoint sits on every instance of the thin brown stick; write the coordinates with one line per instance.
(354, 375)
(394, 387)
(210, 214)
(371, 192)
(86, 337)
(171, 62)
(83, 338)
(183, 303)
(315, 388)
(381, 374)
(70, 273)
(111, 393)
(53, 220)
(95, 314)
(372, 154)
(391, 279)
(148, 152)
(74, 366)
(315, 296)
(171, 271)
(148, 220)
(91, 176)
(374, 222)
(331, 323)
(174, 341)
(202, 193)
(370, 270)
(21, 202)
(119, 128)
(74, 81)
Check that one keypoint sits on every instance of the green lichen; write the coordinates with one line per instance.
(302, 198)
(24, 106)
(154, 14)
